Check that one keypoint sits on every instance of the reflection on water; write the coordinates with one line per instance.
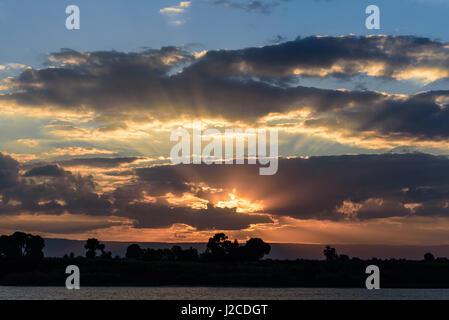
(215, 293)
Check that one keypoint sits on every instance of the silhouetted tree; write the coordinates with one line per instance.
(255, 249)
(429, 257)
(19, 240)
(219, 248)
(179, 254)
(330, 253)
(167, 254)
(8, 249)
(190, 254)
(92, 245)
(175, 253)
(152, 254)
(343, 257)
(134, 251)
(106, 255)
(20, 245)
(158, 255)
(235, 251)
(34, 246)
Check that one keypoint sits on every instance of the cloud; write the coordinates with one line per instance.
(9, 172)
(396, 57)
(252, 84)
(262, 6)
(417, 117)
(66, 130)
(171, 10)
(327, 188)
(50, 190)
(98, 162)
(48, 170)
(116, 93)
(77, 151)
(176, 9)
(64, 224)
(12, 66)
(29, 142)
(174, 12)
(150, 215)
(346, 188)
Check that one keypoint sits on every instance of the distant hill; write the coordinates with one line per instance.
(59, 247)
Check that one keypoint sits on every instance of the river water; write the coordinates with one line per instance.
(217, 293)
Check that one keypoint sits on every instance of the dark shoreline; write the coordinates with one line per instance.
(265, 273)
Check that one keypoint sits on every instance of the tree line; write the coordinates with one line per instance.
(21, 245)
(219, 248)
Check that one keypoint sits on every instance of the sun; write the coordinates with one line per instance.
(241, 204)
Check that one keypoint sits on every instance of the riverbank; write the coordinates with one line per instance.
(265, 273)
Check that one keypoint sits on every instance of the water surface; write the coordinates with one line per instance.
(217, 293)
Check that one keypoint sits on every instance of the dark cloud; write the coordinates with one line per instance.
(48, 189)
(130, 203)
(156, 215)
(157, 60)
(262, 6)
(59, 225)
(108, 91)
(49, 170)
(334, 187)
(246, 100)
(327, 188)
(418, 117)
(277, 39)
(352, 55)
(248, 84)
(9, 172)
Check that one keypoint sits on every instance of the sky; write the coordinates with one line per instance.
(362, 116)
